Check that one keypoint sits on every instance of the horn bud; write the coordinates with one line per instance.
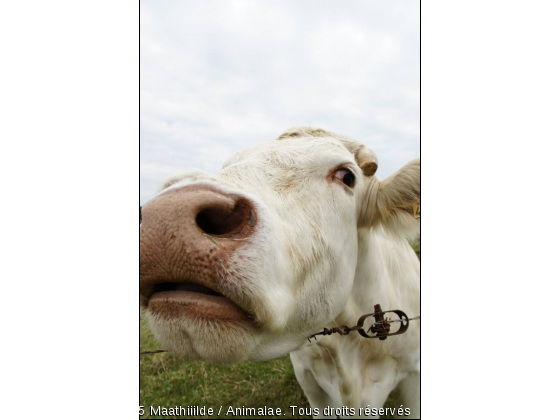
(367, 161)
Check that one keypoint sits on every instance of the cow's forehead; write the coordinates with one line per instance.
(293, 150)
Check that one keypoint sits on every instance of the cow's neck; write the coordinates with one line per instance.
(388, 273)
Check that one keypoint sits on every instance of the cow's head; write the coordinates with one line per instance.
(246, 264)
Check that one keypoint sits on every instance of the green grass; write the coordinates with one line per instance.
(167, 381)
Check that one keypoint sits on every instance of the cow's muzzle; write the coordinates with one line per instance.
(187, 237)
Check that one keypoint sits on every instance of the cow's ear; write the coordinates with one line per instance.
(394, 202)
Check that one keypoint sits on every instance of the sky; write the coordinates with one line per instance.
(217, 76)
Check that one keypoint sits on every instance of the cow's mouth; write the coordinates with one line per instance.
(177, 299)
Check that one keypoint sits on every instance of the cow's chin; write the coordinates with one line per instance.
(221, 342)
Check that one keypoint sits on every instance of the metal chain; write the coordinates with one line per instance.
(379, 329)
(153, 351)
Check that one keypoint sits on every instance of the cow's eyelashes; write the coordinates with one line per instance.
(345, 176)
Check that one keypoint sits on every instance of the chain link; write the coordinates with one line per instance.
(379, 329)
(398, 320)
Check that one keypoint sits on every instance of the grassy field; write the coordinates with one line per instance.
(168, 382)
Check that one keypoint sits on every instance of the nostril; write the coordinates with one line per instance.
(218, 221)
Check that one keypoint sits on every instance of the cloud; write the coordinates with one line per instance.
(220, 76)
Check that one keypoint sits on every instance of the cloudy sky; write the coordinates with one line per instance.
(217, 76)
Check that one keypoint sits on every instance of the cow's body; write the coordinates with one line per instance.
(291, 236)
(352, 371)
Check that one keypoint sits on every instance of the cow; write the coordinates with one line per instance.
(289, 237)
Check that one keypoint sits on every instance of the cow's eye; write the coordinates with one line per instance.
(345, 176)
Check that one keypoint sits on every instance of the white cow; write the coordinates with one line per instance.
(291, 236)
